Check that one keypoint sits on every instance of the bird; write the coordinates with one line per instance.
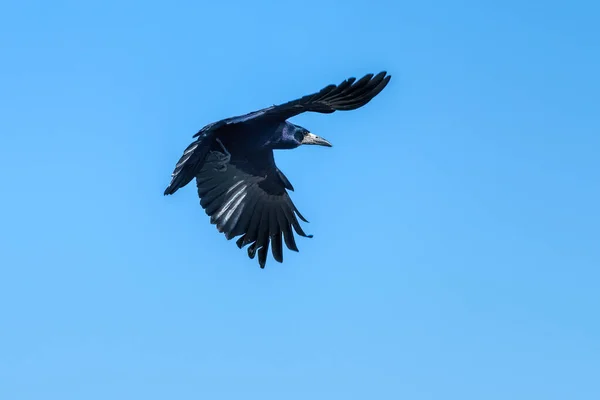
(239, 185)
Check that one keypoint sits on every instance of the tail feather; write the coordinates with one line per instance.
(189, 164)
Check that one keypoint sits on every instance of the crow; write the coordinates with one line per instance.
(240, 187)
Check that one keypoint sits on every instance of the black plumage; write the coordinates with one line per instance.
(238, 183)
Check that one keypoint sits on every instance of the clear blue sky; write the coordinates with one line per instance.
(456, 251)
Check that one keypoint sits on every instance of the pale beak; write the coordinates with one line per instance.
(311, 138)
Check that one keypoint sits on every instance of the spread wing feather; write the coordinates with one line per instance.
(348, 95)
(247, 197)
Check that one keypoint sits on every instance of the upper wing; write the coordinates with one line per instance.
(248, 197)
(348, 95)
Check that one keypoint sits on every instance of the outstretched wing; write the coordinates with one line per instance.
(348, 95)
(247, 196)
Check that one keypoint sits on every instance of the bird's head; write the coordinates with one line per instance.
(294, 136)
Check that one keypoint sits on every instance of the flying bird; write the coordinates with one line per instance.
(238, 183)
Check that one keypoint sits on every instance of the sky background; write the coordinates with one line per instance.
(456, 248)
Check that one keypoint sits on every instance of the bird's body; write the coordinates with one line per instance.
(256, 135)
(238, 183)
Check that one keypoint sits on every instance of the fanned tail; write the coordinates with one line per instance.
(191, 161)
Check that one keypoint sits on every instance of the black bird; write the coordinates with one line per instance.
(239, 185)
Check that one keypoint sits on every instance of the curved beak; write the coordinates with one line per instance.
(311, 138)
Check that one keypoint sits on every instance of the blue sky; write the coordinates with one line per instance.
(456, 245)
